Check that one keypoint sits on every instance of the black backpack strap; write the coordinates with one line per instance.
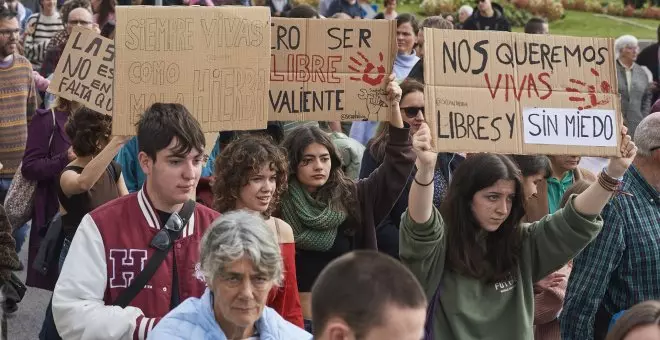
(128, 294)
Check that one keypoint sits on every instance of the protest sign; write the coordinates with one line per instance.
(85, 71)
(334, 70)
(213, 60)
(522, 94)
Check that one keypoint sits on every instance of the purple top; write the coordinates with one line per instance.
(44, 165)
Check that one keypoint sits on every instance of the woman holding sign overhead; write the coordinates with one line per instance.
(331, 214)
(476, 259)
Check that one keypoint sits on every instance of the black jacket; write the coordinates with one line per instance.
(417, 72)
(477, 22)
(649, 58)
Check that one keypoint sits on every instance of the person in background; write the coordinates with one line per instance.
(412, 113)
(278, 8)
(650, 57)
(487, 16)
(21, 12)
(41, 28)
(240, 262)
(98, 265)
(565, 171)
(549, 292)
(389, 13)
(104, 13)
(476, 251)
(89, 181)
(464, 13)
(47, 153)
(534, 170)
(641, 322)
(373, 297)
(368, 9)
(350, 151)
(331, 214)
(18, 105)
(537, 26)
(93, 178)
(350, 7)
(449, 18)
(621, 267)
(74, 13)
(634, 84)
(406, 38)
(417, 72)
(251, 174)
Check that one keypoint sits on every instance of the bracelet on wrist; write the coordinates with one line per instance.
(422, 184)
(608, 183)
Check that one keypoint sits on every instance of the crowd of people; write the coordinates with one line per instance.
(324, 230)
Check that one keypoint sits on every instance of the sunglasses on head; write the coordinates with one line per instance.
(412, 111)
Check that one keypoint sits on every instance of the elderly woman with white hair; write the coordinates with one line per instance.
(634, 83)
(240, 262)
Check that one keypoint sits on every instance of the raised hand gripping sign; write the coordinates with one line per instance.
(521, 94)
(330, 69)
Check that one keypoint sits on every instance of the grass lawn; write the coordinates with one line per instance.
(582, 24)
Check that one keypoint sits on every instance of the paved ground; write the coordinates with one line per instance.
(25, 324)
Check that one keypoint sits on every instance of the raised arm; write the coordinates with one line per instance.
(73, 183)
(592, 201)
(420, 205)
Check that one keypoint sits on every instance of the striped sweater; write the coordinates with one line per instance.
(45, 28)
(17, 105)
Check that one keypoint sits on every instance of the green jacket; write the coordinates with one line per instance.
(470, 309)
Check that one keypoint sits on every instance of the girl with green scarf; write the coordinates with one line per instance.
(330, 213)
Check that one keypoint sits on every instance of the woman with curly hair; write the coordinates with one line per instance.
(93, 178)
(330, 213)
(251, 174)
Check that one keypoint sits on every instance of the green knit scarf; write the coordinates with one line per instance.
(314, 223)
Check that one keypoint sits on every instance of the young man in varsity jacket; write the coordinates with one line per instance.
(112, 244)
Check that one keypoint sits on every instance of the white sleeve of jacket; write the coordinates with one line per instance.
(78, 307)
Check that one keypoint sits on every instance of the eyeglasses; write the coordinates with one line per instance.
(412, 111)
(79, 22)
(163, 238)
(9, 33)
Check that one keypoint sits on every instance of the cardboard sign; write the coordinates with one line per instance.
(213, 60)
(521, 94)
(85, 71)
(333, 70)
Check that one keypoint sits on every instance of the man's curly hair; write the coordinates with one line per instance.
(241, 159)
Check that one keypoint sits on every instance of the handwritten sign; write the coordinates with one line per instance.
(330, 69)
(85, 71)
(213, 60)
(521, 94)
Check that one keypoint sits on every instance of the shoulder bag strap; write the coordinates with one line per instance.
(50, 141)
(128, 294)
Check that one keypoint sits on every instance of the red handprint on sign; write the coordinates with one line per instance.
(605, 87)
(366, 75)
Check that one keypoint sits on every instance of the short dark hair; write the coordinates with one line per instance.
(535, 25)
(70, 5)
(7, 13)
(358, 286)
(531, 165)
(303, 11)
(161, 123)
(408, 18)
(387, 2)
(88, 131)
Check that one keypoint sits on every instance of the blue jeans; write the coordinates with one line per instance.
(20, 234)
